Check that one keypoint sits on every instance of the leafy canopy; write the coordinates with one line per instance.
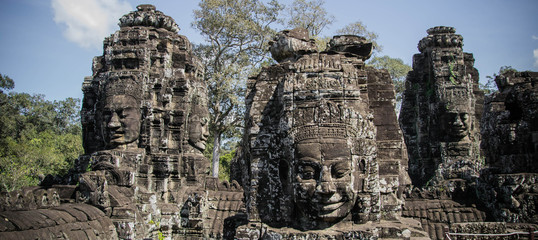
(310, 15)
(37, 137)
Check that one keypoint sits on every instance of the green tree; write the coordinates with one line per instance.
(37, 137)
(310, 15)
(358, 28)
(237, 35)
(398, 71)
(6, 83)
(225, 160)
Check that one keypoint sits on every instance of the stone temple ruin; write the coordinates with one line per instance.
(144, 121)
(323, 155)
(317, 157)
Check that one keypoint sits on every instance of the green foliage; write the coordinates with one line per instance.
(160, 235)
(310, 15)
(37, 137)
(225, 161)
(237, 34)
(453, 75)
(358, 28)
(228, 149)
(6, 83)
(397, 68)
(322, 43)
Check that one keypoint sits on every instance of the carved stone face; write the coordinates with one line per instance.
(324, 179)
(121, 120)
(198, 132)
(456, 124)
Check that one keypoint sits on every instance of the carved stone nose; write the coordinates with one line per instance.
(458, 121)
(114, 121)
(325, 174)
(326, 187)
(205, 131)
(325, 184)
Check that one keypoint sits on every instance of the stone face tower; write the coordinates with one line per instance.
(441, 111)
(314, 157)
(144, 119)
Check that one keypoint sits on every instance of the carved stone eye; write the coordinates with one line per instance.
(340, 170)
(307, 172)
(122, 113)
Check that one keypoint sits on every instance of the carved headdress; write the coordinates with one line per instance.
(325, 120)
(123, 84)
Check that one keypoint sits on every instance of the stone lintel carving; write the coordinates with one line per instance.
(352, 44)
(287, 44)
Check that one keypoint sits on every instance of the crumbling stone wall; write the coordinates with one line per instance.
(311, 155)
(509, 186)
(441, 109)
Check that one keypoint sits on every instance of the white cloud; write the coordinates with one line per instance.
(88, 22)
(534, 37)
(536, 57)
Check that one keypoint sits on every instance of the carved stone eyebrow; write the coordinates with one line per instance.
(308, 161)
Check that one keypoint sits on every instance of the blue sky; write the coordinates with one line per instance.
(47, 46)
